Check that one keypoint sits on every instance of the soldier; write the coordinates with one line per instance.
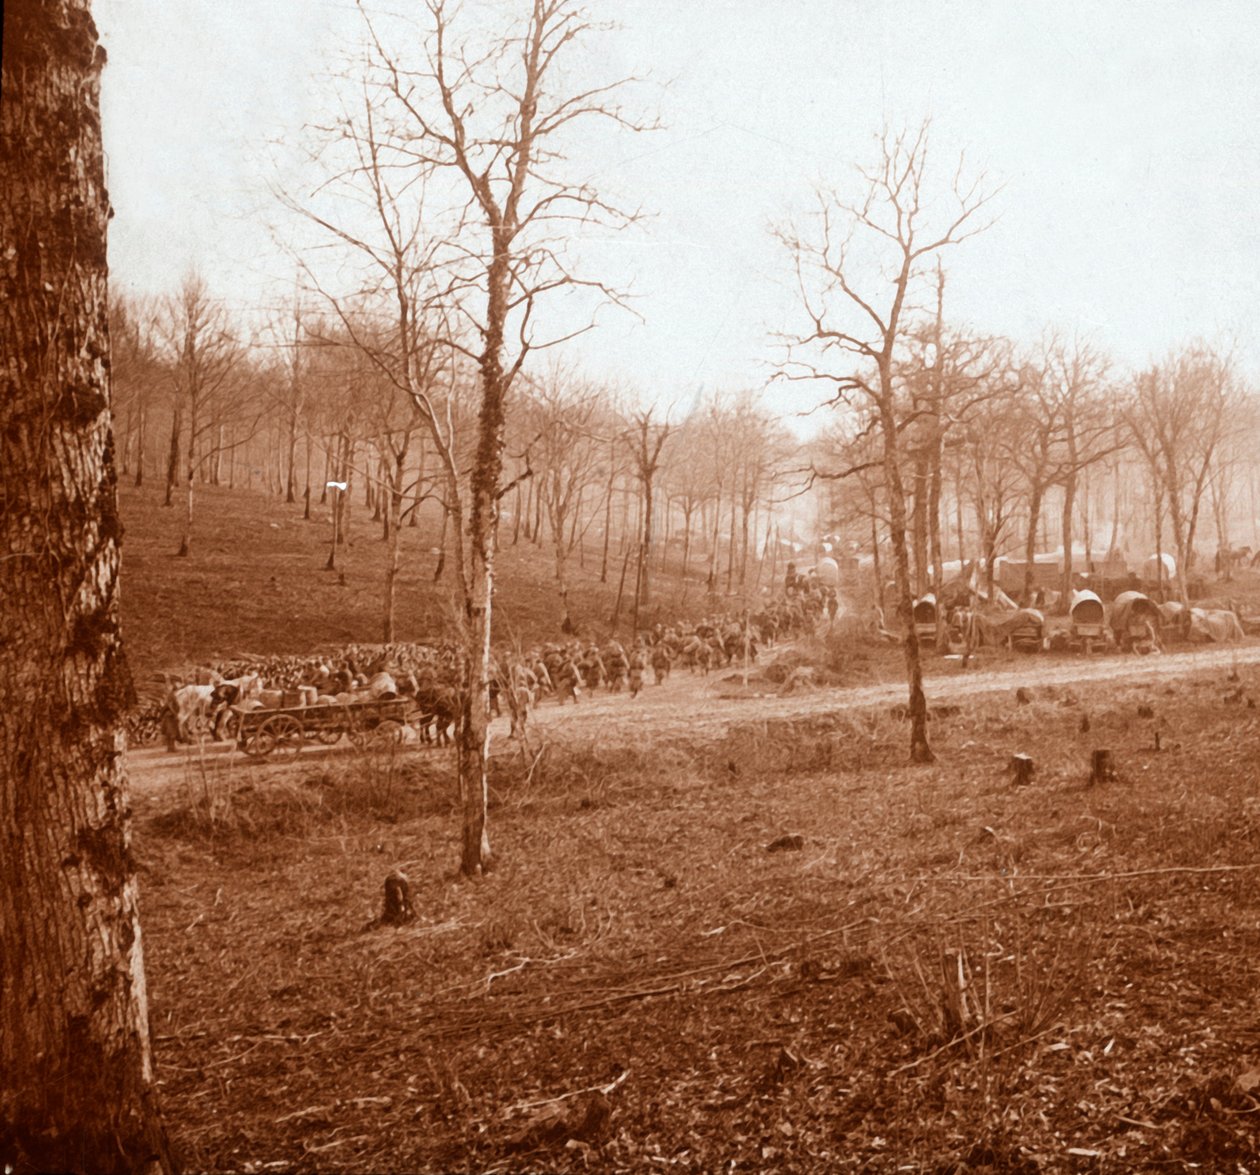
(638, 663)
(662, 662)
(616, 664)
(568, 681)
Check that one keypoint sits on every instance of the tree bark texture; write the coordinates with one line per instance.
(76, 1072)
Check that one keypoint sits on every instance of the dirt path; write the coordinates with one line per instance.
(691, 705)
(694, 706)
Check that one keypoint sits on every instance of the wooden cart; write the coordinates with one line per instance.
(285, 731)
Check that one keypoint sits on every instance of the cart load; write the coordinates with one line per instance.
(1024, 629)
(283, 732)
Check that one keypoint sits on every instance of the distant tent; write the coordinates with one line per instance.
(1150, 569)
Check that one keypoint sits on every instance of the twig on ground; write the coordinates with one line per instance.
(522, 1107)
(950, 1044)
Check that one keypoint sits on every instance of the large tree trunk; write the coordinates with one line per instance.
(1030, 544)
(483, 528)
(76, 1072)
(1067, 528)
(608, 497)
(172, 456)
(920, 751)
(936, 547)
(290, 485)
(919, 521)
(393, 541)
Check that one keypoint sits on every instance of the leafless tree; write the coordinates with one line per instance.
(138, 379)
(77, 1087)
(564, 434)
(645, 438)
(208, 365)
(860, 270)
(1178, 413)
(1078, 382)
(473, 131)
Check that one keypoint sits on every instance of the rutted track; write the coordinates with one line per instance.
(694, 706)
(688, 706)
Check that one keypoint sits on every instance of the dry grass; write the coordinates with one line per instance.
(255, 583)
(782, 1009)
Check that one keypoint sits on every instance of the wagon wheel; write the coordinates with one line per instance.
(328, 735)
(260, 743)
(286, 733)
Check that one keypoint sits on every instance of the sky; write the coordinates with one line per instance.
(1124, 136)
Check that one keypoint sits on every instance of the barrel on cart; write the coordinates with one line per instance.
(283, 732)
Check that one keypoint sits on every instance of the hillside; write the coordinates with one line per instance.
(255, 582)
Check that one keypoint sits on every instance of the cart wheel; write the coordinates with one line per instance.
(358, 737)
(328, 735)
(388, 733)
(260, 743)
(286, 731)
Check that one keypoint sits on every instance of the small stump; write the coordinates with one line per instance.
(398, 909)
(1102, 767)
(1021, 769)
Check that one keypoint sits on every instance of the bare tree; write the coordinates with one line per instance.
(1078, 375)
(77, 1088)
(138, 377)
(853, 336)
(564, 422)
(1178, 414)
(474, 133)
(644, 439)
(207, 363)
(688, 479)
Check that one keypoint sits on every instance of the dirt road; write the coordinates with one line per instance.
(704, 708)
(690, 705)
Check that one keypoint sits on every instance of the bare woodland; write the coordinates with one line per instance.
(414, 373)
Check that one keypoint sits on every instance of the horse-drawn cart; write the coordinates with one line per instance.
(283, 732)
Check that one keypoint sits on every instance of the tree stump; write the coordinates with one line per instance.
(1102, 767)
(398, 909)
(1023, 696)
(1021, 768)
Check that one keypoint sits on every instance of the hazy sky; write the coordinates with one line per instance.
(1126, 135)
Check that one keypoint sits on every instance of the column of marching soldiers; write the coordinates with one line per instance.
(181, 706)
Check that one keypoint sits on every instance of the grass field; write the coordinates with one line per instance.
(781, 950)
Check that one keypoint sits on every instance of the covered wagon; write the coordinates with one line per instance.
(925, 614)
(1023, 629)
(1136, 621)
(1088, 620)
